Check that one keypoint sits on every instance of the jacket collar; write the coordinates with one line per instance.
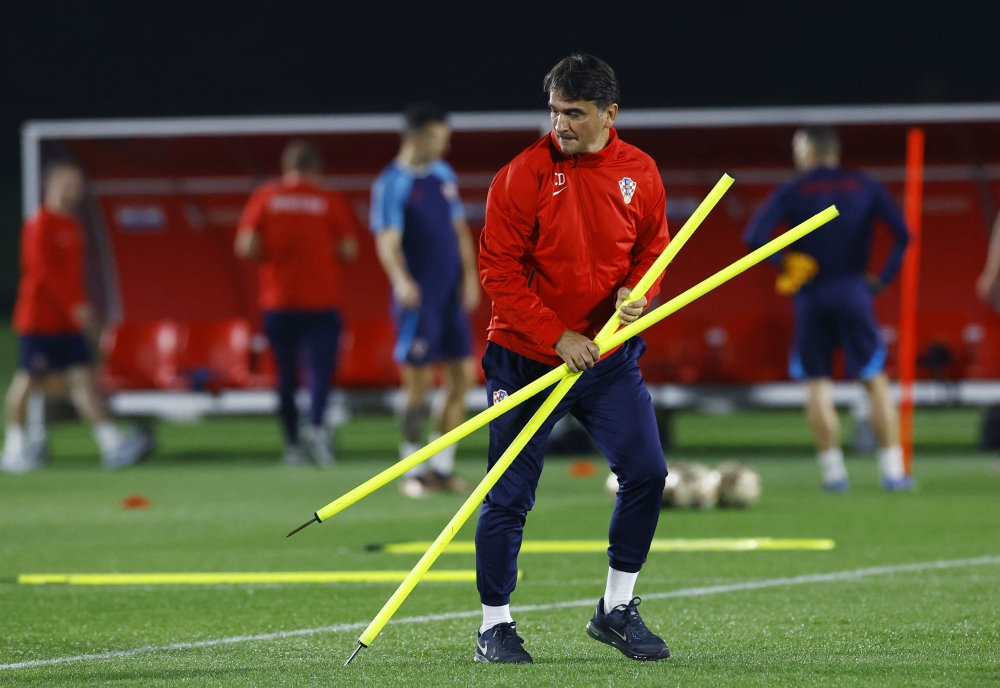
(601, 157)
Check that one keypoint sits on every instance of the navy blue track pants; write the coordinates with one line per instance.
(316, 334)
(611, 402)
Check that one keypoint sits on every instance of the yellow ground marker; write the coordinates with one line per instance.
(464, 576)
(674, 545)
(605, 344)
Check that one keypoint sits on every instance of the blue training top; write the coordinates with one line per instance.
(842, 246)
(423, 204)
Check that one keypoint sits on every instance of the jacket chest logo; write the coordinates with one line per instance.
(560, 183)
(627, 187)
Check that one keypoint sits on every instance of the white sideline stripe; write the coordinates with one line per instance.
(833, 577)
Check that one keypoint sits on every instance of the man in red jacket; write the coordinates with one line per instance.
(572, 225)
(52, 315)
(299, 233)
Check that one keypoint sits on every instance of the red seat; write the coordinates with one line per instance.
(366, 354)
(140, 355)
(214, 355)
(263, 370)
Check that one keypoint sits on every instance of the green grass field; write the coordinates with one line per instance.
(220, 503)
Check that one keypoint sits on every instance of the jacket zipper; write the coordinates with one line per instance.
(588, 232)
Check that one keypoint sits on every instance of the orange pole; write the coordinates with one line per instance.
(909, 279)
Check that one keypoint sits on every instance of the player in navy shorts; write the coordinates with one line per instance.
(832, 295)
(426, 249)
(54, 317)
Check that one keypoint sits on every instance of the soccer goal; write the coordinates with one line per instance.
(165, 196)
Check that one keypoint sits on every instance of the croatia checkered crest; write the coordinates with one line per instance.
(628, 188)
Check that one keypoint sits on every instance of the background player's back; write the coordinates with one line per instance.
(299, 230)
(843, 246)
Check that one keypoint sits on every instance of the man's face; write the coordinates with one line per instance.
(64, 189)
(579, 125)
(432, 142)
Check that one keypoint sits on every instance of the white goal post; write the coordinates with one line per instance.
(35, 133)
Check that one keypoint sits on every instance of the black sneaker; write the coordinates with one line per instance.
(502, 645)
(623, 628)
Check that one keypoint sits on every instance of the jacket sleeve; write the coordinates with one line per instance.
(652, 237)
(769, 215)
(887, 210)
(343, 222)
(253, 213)
(503, 251)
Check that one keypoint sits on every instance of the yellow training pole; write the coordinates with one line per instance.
(456, 523)
(544, 382)
(702, 288)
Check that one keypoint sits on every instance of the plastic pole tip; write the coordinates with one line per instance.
(355, 653)
(314, 519)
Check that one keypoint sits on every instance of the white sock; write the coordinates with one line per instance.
(13, 439)
(619, 588)
(405, 449)
(442, 463)
(890, 462)
(108, 436)
(495, 615)
(831, 464)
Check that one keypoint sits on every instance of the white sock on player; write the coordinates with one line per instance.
(495, 615)
(405, 449)
(890, 463)
(13, 441)
(831, 464)
(619, 588)
(442, 463)
(108, 437)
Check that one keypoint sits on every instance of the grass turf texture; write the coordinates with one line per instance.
(220, 504)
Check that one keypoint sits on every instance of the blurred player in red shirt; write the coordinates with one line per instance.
(298, 233)
(51, 316)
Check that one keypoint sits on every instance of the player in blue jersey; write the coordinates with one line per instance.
(833, 294)
(426, 249)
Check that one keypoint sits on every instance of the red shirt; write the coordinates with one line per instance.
(301, 226)
(52, 285)
(562, 235)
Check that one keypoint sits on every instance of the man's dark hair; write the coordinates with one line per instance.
(301, 156)
(824, 140)
(583, 77)
(419, 115)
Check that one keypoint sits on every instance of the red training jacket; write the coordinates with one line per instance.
(301, 227)
(562, 235)
(51, 287)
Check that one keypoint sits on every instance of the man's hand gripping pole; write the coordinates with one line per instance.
(544, 382)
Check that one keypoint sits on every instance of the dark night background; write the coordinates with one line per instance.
(88, 60)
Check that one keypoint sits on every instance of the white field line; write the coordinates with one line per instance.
(833, 577)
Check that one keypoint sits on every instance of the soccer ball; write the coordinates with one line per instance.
(691, 486)
(611, 485)
(740, 485)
